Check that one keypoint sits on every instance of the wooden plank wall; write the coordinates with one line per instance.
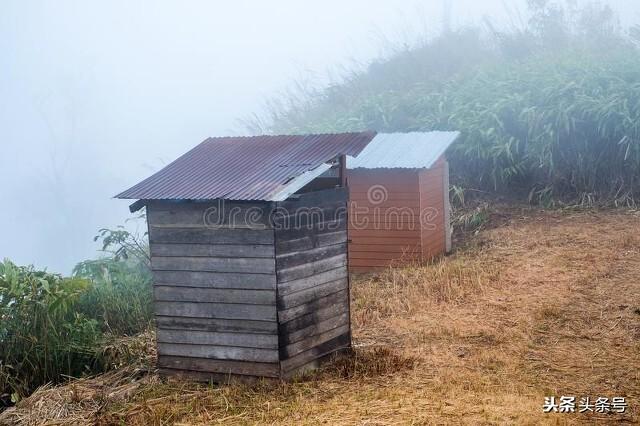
(387, 232)
(313, 280)
(214, 289)
(432, 204)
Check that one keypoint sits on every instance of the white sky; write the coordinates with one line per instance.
(96, 95)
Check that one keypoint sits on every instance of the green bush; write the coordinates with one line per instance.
(42, 335)
(53, 327)
(120, 299)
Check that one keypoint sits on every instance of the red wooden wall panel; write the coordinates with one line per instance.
(397, 216)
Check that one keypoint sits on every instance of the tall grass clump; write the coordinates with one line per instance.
(53, 327)
(43, 337)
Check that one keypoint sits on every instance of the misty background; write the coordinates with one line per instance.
(95, 96)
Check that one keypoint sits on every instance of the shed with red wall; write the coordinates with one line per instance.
(399, 200)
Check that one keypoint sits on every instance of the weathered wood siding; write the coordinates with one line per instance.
(397, 216)
(312, 278)
(214, 288)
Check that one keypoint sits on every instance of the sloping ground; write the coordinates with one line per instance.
(548, 305)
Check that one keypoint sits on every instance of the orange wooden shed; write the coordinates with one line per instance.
(399, 200)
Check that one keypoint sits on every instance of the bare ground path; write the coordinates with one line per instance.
(546, 305)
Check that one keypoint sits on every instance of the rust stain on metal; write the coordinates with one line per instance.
(245, 168)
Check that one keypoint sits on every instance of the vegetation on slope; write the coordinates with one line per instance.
(52, 327)
(548, 112)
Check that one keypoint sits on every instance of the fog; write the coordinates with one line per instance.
(98, 95)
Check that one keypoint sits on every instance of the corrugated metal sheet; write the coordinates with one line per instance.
(245, 168)
(416, 150)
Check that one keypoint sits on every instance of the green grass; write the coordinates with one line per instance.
(54, 327)
(42, 335)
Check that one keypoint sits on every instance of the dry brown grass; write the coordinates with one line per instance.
(547, 305)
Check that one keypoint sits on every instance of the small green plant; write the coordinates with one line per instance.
(472, 220)
(457, 195)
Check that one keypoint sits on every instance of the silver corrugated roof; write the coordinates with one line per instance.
(415, 150)
(247, 168)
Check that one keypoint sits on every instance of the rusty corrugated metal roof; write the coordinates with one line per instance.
(245, 168)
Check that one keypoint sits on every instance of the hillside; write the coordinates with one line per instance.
(549, 112)
(546, 303)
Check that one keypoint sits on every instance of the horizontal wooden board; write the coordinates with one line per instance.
(384, 256)
(365, 270)
(252, 265)
(218, 378)
(316, 198)
(298, 311)
(333, 345)
(314, 329)
(366, 188)
(219, 366)
(382, 218)
(210, 236)
(388, 248)
(383, 213)
(305, 296)
(222, 213)
(374, 225)
(218, 352)
(191, 294)
(212, 250)
(216, 310)
(381, 233)
(387, 204)
(312, 319)
(390, 195)
(309, 216)
(216, 325)
(310, 342)
(377, 263)
(390, 178)
(244, 340)
(392, 241)
(311, 231)
(289, 260)
(215, 280)
(312, 281)
(310, 269)
(308, 242)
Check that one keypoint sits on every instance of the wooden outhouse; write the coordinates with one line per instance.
(249, 254)
(399, 200)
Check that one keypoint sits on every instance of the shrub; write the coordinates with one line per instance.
(42, 335)
(121, 298)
